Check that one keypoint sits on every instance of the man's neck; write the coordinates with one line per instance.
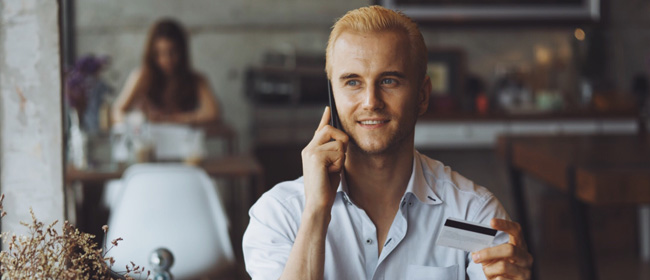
(378, 179)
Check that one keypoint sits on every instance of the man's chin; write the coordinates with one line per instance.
(378, 146)
(372, 148)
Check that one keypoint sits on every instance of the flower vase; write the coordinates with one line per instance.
(77, 142)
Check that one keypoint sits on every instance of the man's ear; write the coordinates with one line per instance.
(423, 95)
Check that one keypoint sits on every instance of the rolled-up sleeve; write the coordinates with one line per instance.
(270, 235)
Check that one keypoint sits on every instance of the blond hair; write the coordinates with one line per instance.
(377, 19)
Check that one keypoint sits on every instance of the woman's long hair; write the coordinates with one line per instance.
(183, 82)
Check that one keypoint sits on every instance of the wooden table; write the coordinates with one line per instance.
(225, 167)
(590, 169)
(221, 130)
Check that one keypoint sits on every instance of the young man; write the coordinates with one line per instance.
(369, 206)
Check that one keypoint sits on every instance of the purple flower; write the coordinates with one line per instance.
(90, 64)
(81, 77)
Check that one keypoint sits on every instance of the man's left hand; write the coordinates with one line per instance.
(506, 261)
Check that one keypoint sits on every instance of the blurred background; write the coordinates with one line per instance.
(499, 69)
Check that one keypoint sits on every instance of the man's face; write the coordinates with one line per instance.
(378, 94)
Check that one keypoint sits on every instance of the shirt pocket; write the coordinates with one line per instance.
(420, 272)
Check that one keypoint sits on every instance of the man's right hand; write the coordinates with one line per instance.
(322, 163)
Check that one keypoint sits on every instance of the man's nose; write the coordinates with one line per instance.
(372, 99)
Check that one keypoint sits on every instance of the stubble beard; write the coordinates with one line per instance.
(395, 141)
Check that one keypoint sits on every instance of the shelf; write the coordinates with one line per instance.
(541, 116)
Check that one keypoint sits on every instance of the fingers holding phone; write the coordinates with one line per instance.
(322, 162)
(334, 119)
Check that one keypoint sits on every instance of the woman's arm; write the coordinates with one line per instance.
(208, 110)
(125, 99)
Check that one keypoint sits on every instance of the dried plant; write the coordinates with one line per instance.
(46, 254)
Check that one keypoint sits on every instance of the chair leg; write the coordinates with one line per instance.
(581, 231)
(644, 232)
(517, 185)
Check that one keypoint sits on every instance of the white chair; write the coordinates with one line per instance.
(172, 206)
(111, 193)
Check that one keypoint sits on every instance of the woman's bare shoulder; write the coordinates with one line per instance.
(200, 78)
(135, 73)
(133, 77)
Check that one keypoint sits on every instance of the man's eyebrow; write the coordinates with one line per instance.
(346, 76)
(398, 74)
(393, 73)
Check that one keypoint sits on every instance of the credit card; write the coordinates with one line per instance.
(466, 236)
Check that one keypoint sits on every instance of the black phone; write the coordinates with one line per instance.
(334, 117)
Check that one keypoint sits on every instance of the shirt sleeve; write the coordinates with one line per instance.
(492, 208)
(269, 237)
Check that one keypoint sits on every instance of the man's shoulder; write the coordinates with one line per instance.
(287, 194)
(288, 189)
(444, 180)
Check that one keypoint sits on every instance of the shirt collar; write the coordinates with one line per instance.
(343, 185)
(343, 189)
(417, 185)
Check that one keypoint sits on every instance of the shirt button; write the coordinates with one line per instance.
(369, 241)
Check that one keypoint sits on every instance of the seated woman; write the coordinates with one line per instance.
(166, 88)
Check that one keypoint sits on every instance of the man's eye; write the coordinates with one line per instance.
(388, 82)
(352, 83)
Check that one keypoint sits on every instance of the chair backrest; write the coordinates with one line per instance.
(172, 206)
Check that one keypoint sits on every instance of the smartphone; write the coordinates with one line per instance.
(334, 117)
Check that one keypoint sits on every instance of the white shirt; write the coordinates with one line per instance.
(434, 193)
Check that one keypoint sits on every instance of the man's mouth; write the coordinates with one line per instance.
(373, 122)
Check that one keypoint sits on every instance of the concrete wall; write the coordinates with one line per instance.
(31, 173)
(227, 36)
